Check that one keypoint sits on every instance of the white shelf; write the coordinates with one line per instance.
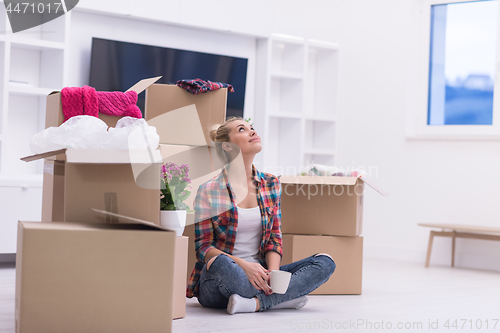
(314, 151)
(285, 115)
(322, 72)
(286, 96)
(35, 44)
(319, 159)
(33, 63)
(322, 45)
(287, 75)
(320, 118)
(287, 39)
(29, 90)
(25, 181)
(287, 55)
(298, 96)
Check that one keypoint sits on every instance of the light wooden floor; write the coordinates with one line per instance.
(393, 292)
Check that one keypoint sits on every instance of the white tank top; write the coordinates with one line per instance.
(248, 234)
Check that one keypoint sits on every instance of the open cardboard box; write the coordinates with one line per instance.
(104, 179)
(54, 116)
(94, 277)
(181, 117)
(323, 205)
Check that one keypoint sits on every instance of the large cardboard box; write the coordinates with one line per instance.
(101, 179)
(193, 118)
(179, 291)
(191, 259)
(347, 252)
(92, 277)
(314, 205)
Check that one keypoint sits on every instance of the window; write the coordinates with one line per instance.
(462, 63)
(456, 75)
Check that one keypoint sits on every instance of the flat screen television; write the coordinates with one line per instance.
(116, 66)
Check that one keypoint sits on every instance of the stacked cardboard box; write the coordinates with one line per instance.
(325, 215)
(94, 277)
(77, 180)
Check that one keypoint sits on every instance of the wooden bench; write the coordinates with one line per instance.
(459, 231)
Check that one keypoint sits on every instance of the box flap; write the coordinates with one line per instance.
(179, 125)
(373, 186)
(329, 180)
(143, 84)
(126, 219)
(111, 156)
(43, 155)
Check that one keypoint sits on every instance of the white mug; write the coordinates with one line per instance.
(280, 281)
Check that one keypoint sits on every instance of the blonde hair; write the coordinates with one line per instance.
(220, 134)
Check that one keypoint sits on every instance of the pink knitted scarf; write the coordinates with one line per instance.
(87, 101)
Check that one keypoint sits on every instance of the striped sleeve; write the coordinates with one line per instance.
(275, 240)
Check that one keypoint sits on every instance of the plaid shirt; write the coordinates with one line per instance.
(216, 219)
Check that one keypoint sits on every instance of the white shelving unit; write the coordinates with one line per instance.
(297, 103)
(32, 65)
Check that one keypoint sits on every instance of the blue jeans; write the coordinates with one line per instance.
(225, 277)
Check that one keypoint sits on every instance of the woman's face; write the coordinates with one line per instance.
(244, 135)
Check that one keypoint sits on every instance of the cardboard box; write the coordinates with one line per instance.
(179, 286)
(53, 191)
(92, 277)
(54, 116)
(191, 259)
(347, 252)
(314, 205)
(201, 162)
(193, 118)
(102, 179)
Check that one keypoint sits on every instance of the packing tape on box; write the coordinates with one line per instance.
(111, 205)
(53, 169)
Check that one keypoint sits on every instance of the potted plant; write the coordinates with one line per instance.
(174, 191)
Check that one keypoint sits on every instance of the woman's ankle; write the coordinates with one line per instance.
(257, 304)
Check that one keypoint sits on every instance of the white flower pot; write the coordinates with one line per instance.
(174, 220)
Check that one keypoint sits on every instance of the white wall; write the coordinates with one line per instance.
(318, 20)
(428, 181)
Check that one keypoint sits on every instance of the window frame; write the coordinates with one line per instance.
(417, 127)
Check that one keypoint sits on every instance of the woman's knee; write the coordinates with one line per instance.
(222, 257)
(327, 261)
(210, 261)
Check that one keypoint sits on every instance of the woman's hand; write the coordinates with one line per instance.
(257, 275)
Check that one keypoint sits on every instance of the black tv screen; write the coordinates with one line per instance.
(117, 66)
